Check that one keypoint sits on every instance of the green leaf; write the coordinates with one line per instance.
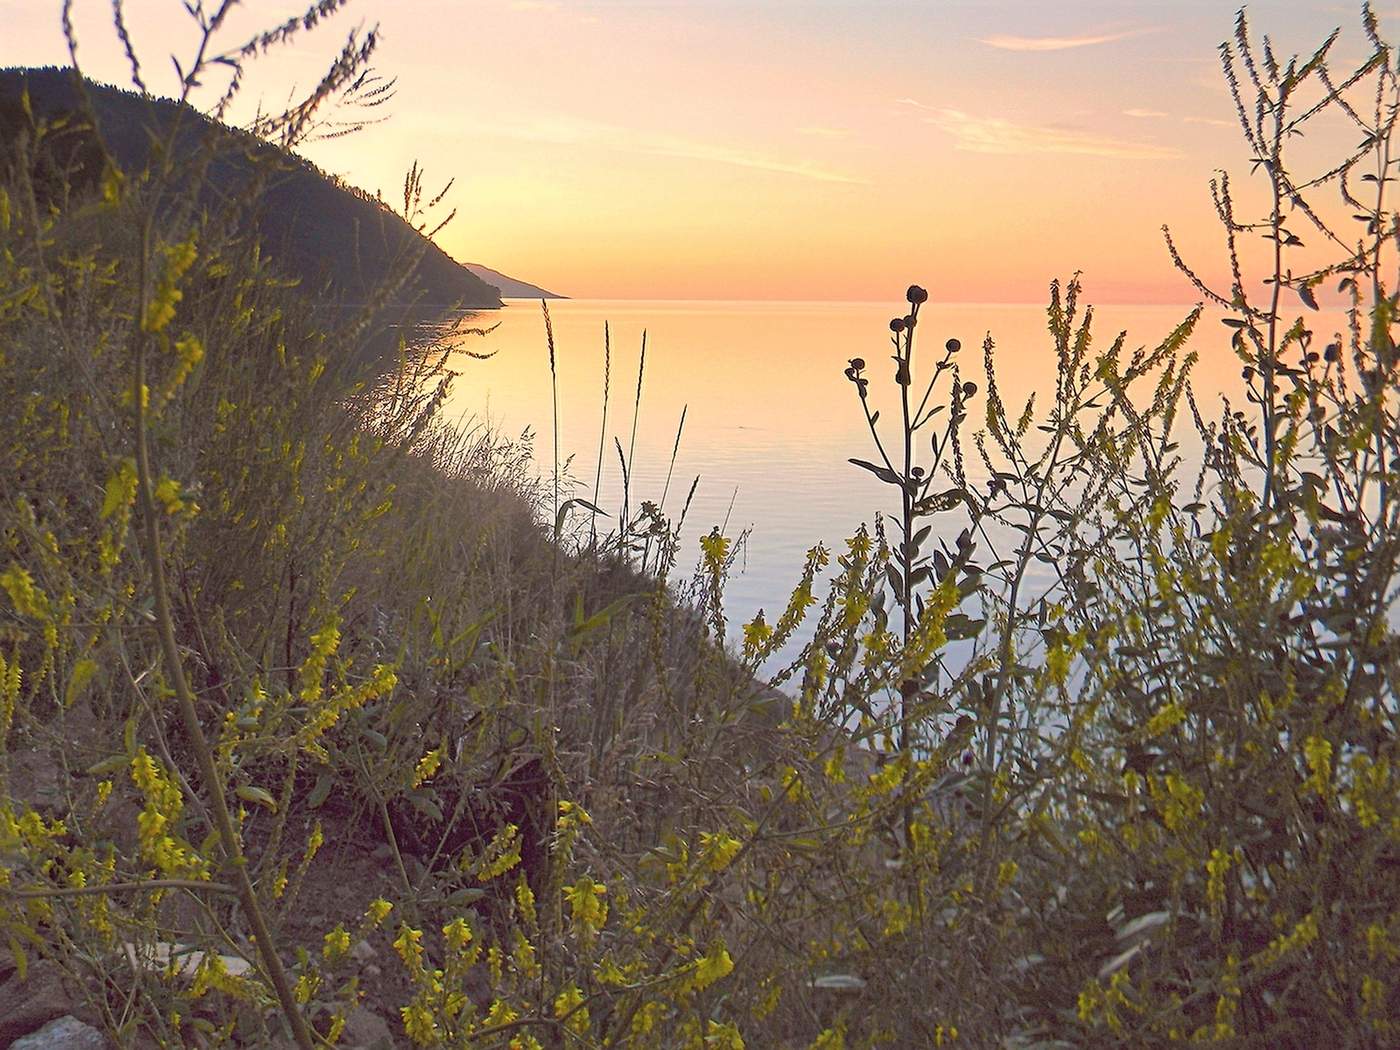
(941, 501)
(568, 505)
(600, 618)
(107, 765)
(83, 672)
(883, 473)
(321, 791)
(250, 793)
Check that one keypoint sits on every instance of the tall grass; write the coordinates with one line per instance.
(1152, 801)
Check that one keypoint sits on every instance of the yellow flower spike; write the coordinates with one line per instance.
(712, 966)
(586, 905)
(715, 548)
(306, 987)
(502, 854)
(1168, 716)
(160, 309)
(834, 1039)
(719, 849)
(409, 946)
(428, 765)
(379, 910)
(756, 633)
(28, 599)
(120, 491)
(500, 1013)
(571, 814)
(419, 1024)
(525, 901)
(457, 934)
(336, 943)
(723, 1036)
(1318, 752)
(568, 1004)
(337, 1028)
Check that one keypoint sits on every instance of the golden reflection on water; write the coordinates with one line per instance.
(770, 420)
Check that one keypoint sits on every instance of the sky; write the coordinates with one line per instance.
(773, 149)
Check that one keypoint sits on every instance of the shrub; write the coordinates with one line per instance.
(1089, 745)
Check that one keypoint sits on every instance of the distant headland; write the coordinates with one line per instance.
(338, 241)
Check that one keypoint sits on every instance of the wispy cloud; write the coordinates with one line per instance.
(975, 134)
(567, 131)
(1157, 113)
(1057, 43)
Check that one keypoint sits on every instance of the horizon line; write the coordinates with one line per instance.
(505, 300)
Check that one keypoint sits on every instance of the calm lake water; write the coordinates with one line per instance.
(770, 418)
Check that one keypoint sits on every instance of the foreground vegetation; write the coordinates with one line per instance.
(312, 708)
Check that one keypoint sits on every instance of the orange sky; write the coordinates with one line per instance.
(783, 149)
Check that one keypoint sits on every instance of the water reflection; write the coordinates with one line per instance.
(770, 418)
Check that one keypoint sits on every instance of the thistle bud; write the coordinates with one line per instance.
(916, 294)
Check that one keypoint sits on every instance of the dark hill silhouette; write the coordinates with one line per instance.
(316, 228)
(511, 287)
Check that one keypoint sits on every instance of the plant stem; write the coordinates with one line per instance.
(36, 892)
(234, 860)
(602, 437)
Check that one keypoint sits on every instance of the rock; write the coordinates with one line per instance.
(366, 1030)
(363, 952)
(38, 780)
(185, 959)
(64, 1033)
(29, 1004)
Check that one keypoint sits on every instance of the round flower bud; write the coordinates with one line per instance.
(916, 294)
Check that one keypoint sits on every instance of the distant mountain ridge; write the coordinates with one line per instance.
(314, 227)
(511, 287)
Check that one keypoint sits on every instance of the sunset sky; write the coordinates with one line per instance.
(778, 149)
